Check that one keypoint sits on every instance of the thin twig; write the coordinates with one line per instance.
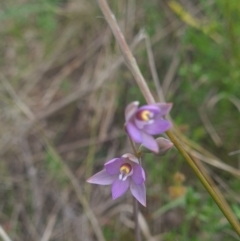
(149, 98)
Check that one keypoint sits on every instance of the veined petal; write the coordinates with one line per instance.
(130, 110)
(138, 175)
(149, 142)
(134, 132)
(113, 166)
(139, 192)
(164, 108)
(157, 127)
(119, 187)
(102, 178)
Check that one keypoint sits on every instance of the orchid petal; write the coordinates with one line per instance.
(131, 110)
(157, 127)
(134, 132)
(119, 187)
(138, 175)
(164, 108)
(102, 178)
(164, 145)
(149, 142)
(139, 123)
(139, 192)
(152, 108)
(112, 167)
(131, 157)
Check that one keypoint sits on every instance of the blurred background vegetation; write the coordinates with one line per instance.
(63, 90)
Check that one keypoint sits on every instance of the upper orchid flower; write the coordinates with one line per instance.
(122, 173)
(143, 122)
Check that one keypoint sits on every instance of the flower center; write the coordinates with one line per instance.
(125, 169)
(144, 115)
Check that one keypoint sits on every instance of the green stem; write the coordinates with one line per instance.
(135, 214)
(133, 67)
(133, 146)
(232, 220)
(135, 201)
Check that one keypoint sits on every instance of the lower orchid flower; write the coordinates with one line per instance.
(144, 122)
(122, 173)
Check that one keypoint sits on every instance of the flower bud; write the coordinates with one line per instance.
(164, 146)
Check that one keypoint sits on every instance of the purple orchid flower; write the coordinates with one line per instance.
(143, 122)
(122, 173)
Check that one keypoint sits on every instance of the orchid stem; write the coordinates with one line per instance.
(135, 202)
(133, 146)
(133, 67)
(135, 214)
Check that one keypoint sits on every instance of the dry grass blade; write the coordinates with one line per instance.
(50, 224)
(37, 200)
(80, 92)
(130, 60)
(176, 24)
(109, 107)
(214, 186)
(87, 142)
(225, 187)
(37, 72)
(70, 67)
(216, 163)
(123, 208)
(234, 153)
(153, 69)
(209, 127)
(78, 190)
(4, 235)
(202, 154)
(22, 106)
(171, 71)
(216, 98)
